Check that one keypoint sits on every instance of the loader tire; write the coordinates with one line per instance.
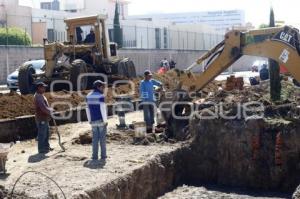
(122, 69)
(131, 69)
(78, 67)
(25, 79)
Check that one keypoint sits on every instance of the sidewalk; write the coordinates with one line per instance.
(3, 87)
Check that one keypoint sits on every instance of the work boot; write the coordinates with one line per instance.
(50, 149)
(149, 130)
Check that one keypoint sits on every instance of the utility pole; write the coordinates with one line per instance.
(274, 68)
(6, 26)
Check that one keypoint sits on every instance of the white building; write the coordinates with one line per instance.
(154, 34)
(14, 15)
(221, 20)
(105, 7)
(148, 34)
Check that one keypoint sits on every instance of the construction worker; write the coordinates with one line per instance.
(165, 63)
(172, 64)
(148, 98)
(42, 116)
(79, 35)
(264, 73)
(90, 38)
(97, 116)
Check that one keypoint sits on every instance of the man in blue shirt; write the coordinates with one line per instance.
(97, 116)
(264, 73)
(148, 98)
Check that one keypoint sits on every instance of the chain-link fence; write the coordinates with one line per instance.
(165, 38)
(133, 36)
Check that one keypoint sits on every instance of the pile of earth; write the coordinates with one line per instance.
(259, 96)
(13, 105)
(125, 137)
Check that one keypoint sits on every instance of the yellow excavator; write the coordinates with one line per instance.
(280, 44)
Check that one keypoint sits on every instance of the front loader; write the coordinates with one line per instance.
(69, 60)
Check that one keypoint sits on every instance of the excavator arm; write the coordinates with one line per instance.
(280, 44)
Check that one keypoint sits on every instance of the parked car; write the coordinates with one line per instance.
(12, 79)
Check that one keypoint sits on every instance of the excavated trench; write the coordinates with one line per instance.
(259, 156)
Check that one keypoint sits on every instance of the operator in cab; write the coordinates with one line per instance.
(90, 38)
(264, 73)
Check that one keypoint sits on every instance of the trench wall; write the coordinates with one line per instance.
(248, 154)
(158, 176)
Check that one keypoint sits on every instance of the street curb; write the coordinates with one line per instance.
(3, 88)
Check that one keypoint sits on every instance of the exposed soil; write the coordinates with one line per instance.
(191, 192)
(14, 105)
(125, 137)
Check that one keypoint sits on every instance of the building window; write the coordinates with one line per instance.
(46, 5)
(157, 38)
(165, 38)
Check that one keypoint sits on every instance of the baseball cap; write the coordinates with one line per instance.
(147, 72)
(98, 83)
(41, 84)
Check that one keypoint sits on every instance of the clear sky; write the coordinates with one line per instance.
(257, 11)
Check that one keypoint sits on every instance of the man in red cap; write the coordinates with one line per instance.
(42, 117)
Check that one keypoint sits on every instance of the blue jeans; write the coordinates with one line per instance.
(148, 114)
(43, 136)
(99, 136)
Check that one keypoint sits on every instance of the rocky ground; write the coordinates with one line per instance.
(191, 192)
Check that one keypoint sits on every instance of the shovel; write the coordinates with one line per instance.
(58, 134)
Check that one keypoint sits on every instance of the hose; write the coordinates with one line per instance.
(12, 192)
(58, 134)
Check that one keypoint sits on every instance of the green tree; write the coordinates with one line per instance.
(275, 84)
(261, 26)
(14, 36)
(118, 35)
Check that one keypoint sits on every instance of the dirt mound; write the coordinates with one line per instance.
(14, 105)
(125, 137)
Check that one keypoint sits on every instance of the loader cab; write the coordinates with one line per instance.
(89, 32)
